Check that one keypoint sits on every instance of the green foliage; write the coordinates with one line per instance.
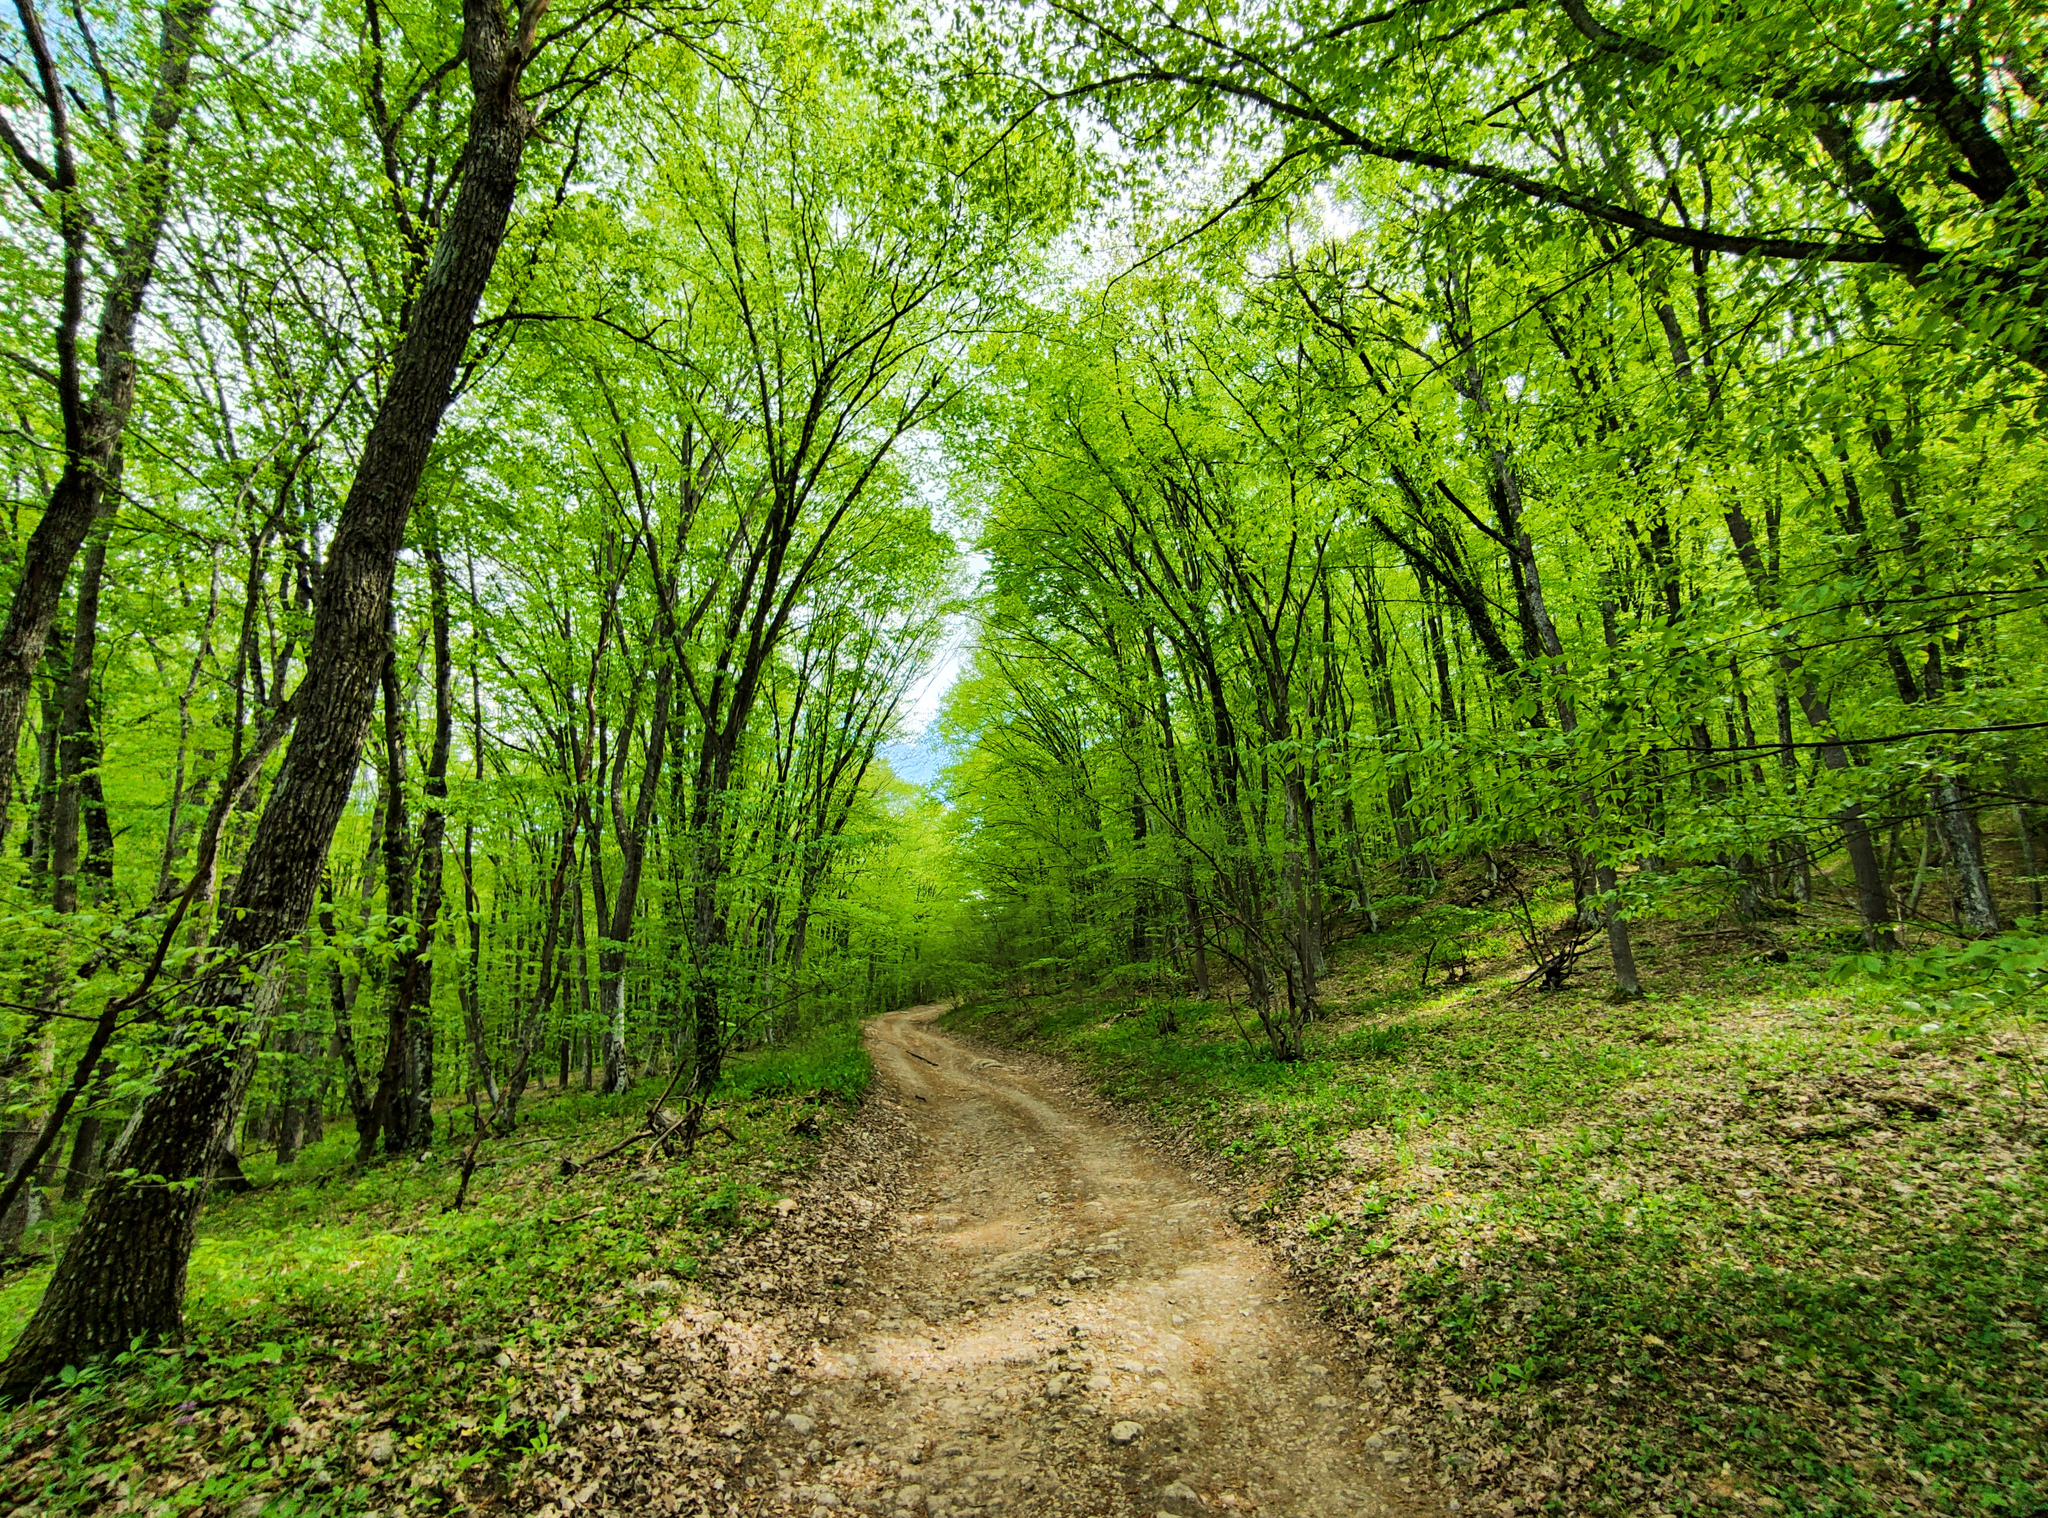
(2005, 974)
(827, 1062)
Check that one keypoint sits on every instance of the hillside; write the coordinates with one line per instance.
(1769, 1240)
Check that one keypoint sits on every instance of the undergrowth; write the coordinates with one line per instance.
(338, 1308)
(1772, 1238)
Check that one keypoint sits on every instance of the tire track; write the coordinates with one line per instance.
(1066, 1325)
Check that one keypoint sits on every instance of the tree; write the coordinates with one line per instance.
(1889, 137)
(76, 187)
(122, 1275)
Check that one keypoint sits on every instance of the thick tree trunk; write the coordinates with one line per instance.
(122, 1275)
(1966, 856)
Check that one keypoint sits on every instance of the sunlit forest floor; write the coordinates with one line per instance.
(354, 1347)
(1770, 1240)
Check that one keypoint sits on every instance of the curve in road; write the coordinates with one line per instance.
(1066, 1325)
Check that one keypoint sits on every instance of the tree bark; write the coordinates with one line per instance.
(122, 1275)
(1972, 881)
(343, 1007)
(393, 1107)
(1542, 631)
(78, 754)
(85, 1145)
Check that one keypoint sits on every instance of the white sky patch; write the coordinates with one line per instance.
(915, 753)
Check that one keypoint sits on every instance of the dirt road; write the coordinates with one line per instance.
(1066, 1326)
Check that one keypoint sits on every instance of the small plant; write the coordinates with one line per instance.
(2009, 972)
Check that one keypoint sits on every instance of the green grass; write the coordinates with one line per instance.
(1658, 1257)
(334, 1303)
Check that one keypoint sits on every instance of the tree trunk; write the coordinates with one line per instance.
(78, 746)
(42, 822)
(611, 954)
(122, 1275)
(545, 967)
(343, 1007)
(291, 1111)
(2030, 863)
(1507, 495)
(405, 1094)
(85, 1145)
(1966, 856)
(93, 423)
(471, 985)
(393, 1106)
(16, 1144)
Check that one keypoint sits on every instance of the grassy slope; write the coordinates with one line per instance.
(1757, 1243)
(332, 1305)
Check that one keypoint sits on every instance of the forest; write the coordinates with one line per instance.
(561, 556)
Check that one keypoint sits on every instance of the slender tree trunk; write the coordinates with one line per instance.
(92, 1127)
(1536, 616)
(78, 747)
(393, 1107)
(1360, 881)
(39, 845)
(1191, 901)
(291, 1111)
(632, 862)
(534, 1023)
(122, 1274)
(342, 1005)
(405, 1094)
(93, 423)
(2030, 862)
(471, 987)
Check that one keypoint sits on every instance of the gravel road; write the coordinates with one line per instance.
(1066, 1324)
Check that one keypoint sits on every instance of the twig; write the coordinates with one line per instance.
(1231, 1007)
(915, 1055)
(469, 1155)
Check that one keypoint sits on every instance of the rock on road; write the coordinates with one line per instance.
(1066, 1325)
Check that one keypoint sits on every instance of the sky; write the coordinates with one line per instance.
(916, 754)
